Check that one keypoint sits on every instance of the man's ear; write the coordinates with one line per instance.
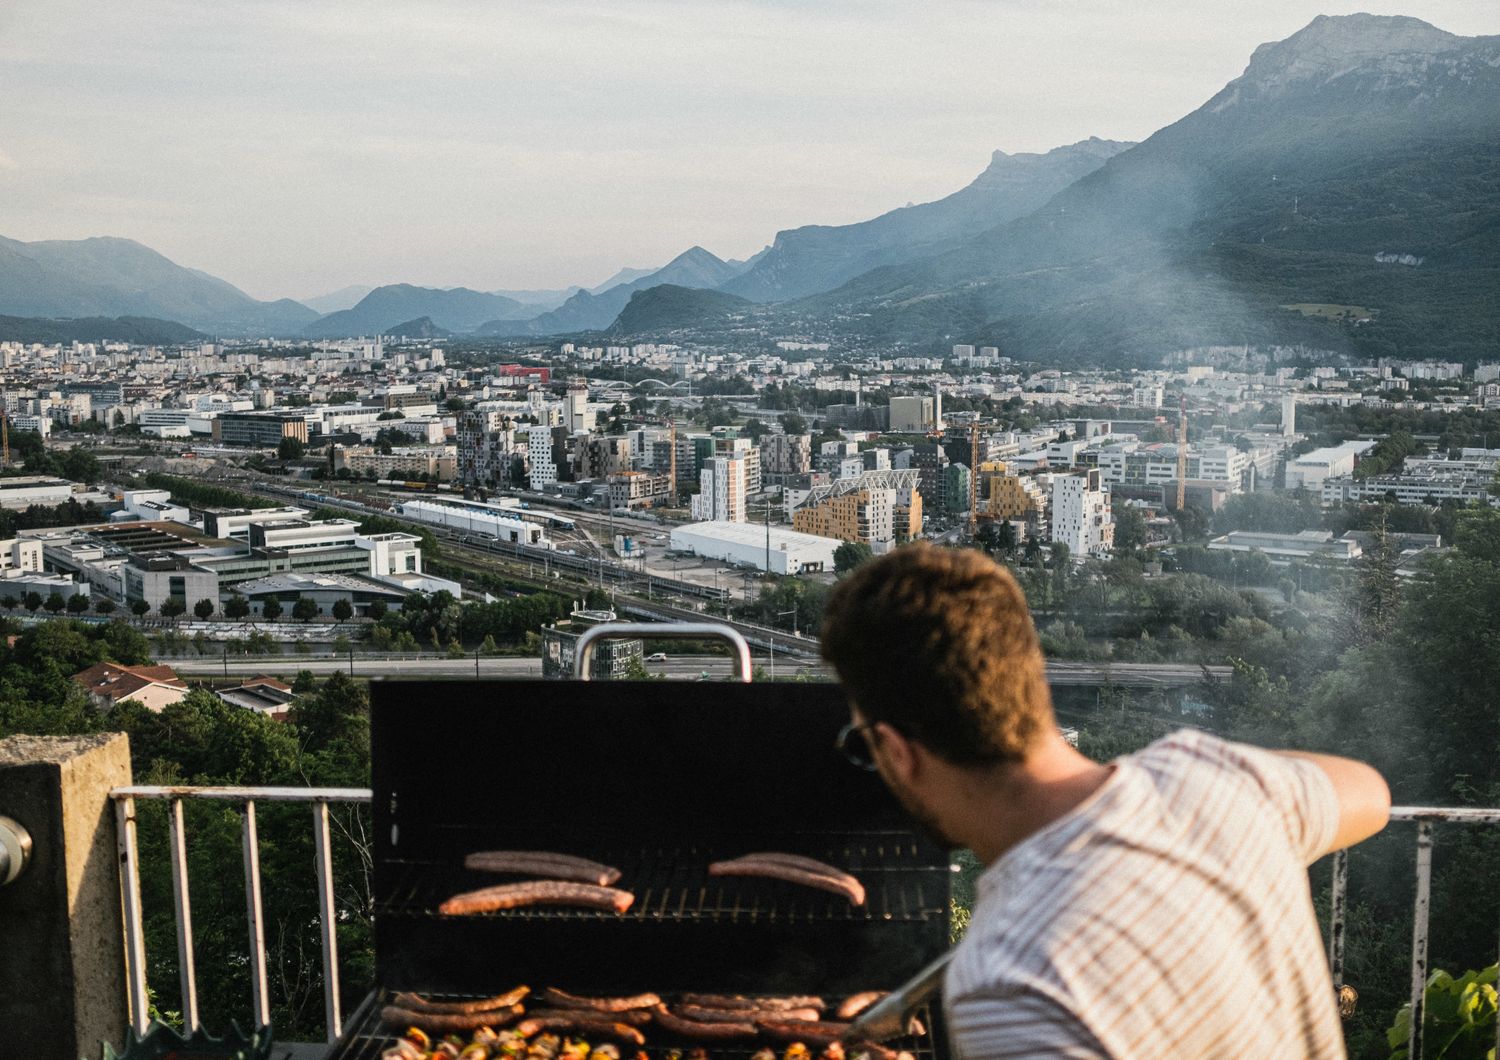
(899, 754)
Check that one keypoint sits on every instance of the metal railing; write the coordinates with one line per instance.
(1425, 818)
(130, 886)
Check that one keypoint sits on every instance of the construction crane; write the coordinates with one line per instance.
(973, 477)
(1182, 455)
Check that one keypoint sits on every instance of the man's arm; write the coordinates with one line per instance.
(1363, 797)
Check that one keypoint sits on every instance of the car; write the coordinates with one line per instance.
(657, 656)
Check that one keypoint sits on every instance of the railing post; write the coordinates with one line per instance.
(1337, 912)
(135, 931)
(182, 907)
(323, 851)
(255, 916)
(1420, 910)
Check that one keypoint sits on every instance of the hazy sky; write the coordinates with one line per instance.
(296, 146)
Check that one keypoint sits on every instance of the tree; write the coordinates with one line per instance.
(377, 609)
(138, 608)
(793, 423)
(78, 603)
(171, 607)
(271, 609)
(237, 606)
(290, 449)
(305, 609)
(32, 601)
(105, 606)
(55, 602)
(203, 608)
(9, 602)
(343, 610)
(850, 555)
(1130, 528)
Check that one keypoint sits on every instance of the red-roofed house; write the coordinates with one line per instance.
(154, 687)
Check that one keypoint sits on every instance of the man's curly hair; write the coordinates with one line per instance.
(939, 644)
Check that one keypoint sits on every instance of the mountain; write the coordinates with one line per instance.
(139, 331)
(109, 277)
(343, 298)
(1344, 192)
(626, 275)
(815, 258)
(540, 301)
(420, 328)
(667, 307)
(457, 309)
(586, 311)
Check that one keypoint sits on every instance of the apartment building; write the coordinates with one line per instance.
(721, 492)
(865, 515)
(1081, 517)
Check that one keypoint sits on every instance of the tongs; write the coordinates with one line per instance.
(891, 1016)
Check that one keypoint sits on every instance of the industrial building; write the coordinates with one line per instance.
(475, 517)
(788, 551)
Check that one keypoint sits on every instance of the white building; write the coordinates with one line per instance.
(23, 491)
(721, 490)
(1081, 517)
(540, 457)
(745, 543)
(474, 517)
(1310, 470)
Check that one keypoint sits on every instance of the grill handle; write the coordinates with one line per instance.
(661, 631)
(889, 1017)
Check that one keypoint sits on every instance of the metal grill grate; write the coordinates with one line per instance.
(366, 1039)
(674, 884)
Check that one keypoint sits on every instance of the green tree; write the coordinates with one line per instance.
(139, 608)
(849, 555)
(305, 609)
(204, 608)
(792, 423)
(343, 610)
(171, 607)
(32, 601)
(78, 603)
(376, 610)
(290, 449)
(237, 606)
(54, 602)
(271, 609)
(104, 605)
(1130, 528)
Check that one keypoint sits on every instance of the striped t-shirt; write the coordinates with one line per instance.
(1168, 915)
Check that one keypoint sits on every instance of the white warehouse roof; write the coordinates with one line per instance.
(791, 552)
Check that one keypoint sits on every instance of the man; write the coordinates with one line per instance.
(1157, 906)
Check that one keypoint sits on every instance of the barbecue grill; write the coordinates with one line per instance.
(658, 779)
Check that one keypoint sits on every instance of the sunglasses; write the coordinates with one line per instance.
(854, 744)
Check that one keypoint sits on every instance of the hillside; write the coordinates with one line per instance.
(141, 331)
(108, 277)
(815, 258)
(667, 307)
(587, 311)
(458, 309)
(1356, 137)
(420, 328)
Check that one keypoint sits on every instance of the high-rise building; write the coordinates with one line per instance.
(721, 490)
(547, 456)
(486, 448)
(1288, 415)
(910, 415)
(1081, 517)
(866, 516)
(785, 454)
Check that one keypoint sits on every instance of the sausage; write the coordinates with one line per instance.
(579, 1023)
(561, 999)
(703, 1032)
(635, 1017)
(857, 1003)
(773, 870)
(418, 1003)
(810, 1033)
(537, 892)
(543, 863)
(736, 1001)
(740, 1015)
(797, 861)
(399, 1016)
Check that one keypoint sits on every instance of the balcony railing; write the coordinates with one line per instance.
(1425, 818)
(130, 885)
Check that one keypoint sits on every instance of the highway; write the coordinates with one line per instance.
(1124, 675)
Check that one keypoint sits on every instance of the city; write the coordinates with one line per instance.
(1219, 398)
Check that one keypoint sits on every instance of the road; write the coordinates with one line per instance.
(1124, 675)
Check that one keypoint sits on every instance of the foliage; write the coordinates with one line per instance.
(203, 495)
(849, 555)
(1458, 1018)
